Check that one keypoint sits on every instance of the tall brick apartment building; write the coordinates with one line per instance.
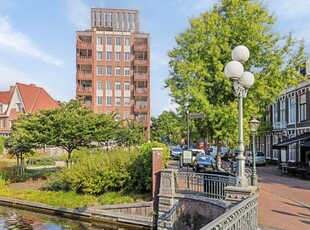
(113, 65)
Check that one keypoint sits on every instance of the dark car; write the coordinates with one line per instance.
(204, 163)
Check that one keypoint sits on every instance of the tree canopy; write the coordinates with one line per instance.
(197, 81)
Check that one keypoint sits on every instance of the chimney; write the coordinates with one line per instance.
(12, 88)
(34, 85)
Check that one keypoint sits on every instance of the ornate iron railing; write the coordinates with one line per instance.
(209, 185)
(243, 216)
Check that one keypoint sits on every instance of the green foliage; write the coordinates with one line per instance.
(42, 160)
(166, 124)
(110, 198)
(141, 168)
(197, 82)
(1, 144)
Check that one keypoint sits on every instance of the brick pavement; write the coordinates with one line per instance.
(284, 202)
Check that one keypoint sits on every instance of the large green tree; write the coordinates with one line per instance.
(197, 81)
(168, 125)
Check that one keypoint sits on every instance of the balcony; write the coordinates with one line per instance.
(141, 92)
(141, 108)
(84, 59)
(138, 61)
(84, 90)
(141, 46)
(84, 44)
(140, 76)
(279, 126)
(84, 75)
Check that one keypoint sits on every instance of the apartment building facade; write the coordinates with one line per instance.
(22, 99)
(113, 65)
(289, 137)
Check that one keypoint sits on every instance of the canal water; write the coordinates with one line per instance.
(15, 219)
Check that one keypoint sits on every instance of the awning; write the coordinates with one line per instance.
(286, 143)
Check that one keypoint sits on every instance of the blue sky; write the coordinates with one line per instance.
(37, 38)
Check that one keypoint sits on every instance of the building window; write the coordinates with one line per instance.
(127, 101)
(99, 55)
(109, 100)
(275, 113)
(11, 123)
(134, 22)
(128, 21)
(109, 85)
(126, 115)
(302, 108)
(100, 19)
(99, 85)
(2, 123)
(127, 56)
(111, 19)
(105, 19)
(99, 70)
(118, 18)
(99, 100)
(117, 101)
(109, 56)
(292, 151)
(127, 41)
(123, 21)
(109, 41)
(117, 85)
(109, 70)
(292, 110)
(17, 107)
(126, 71)
(99, 40)
(95, 18)
(117, 71)
(126, 86)
(117, 56)
(118, 41)
(275, 152)
(282, 111)
(268, 146)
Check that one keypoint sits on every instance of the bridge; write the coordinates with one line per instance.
(205, 201)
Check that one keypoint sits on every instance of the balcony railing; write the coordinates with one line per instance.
(140, 61)
(141, 107)
(280, 125)
(84, 90)
(141, 91)
(140, 46)
(140, 76)
(84, 74)
(84, 59)
(85, 44)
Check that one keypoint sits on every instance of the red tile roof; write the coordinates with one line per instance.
(5, 97)
(35, 98)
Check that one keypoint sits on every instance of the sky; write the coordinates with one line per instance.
(38, 38)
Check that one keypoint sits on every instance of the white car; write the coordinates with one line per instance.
(260, 158)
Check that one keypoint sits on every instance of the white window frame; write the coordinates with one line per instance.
(117, 41)
(109, 56)
(99, 40)
(117, 101)
(126, 56)
(282, 111)
(292, 110)
(302, 107)
(125, 70)
(117, 85)
(127, 42)
(99, 85)
(108, 85)
(109, 70)
(99, 100)
(109, 41)
(118, 56)
(127, 101)
(117, 71)
(99, 55)
(126, 86)
(108, 101)
(99, 70)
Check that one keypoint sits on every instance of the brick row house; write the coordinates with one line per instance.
(113, 65)
(289, 137)
(22, 99)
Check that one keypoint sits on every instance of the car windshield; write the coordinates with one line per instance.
(177, 149)
(206, 159)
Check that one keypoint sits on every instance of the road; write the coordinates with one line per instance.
(284, 202)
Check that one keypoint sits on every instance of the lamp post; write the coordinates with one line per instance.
(254, 124)
(170, 138)
(242, 81)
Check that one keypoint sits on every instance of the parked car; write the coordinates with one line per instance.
(204, 163)
(195, 153)
(175, 152)
(260, 158)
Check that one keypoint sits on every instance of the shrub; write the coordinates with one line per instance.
(1, 145)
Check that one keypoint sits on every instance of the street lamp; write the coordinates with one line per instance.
(242, 81)
(254, 124)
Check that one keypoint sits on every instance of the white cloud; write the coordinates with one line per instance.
(17, 41)
(78, 13)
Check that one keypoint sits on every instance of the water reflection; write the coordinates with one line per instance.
(11, 218)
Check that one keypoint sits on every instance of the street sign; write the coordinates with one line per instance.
(196, 115)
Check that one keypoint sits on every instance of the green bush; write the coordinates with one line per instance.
(42, 160)
(97, 172)
(1, 145)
